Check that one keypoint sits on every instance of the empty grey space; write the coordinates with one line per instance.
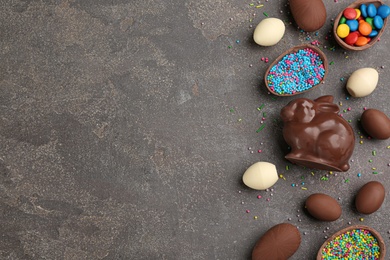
(126, 127)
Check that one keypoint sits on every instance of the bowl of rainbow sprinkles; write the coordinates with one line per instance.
(296, 71)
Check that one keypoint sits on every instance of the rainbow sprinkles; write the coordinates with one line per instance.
(353, 244)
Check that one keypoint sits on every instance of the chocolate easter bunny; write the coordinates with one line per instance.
(319, 138)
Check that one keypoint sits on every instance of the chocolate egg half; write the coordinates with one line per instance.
(323, 207)
(376, 124)
(370, 197)
(278, 243)
(310, 15)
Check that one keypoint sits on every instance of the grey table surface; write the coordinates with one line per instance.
(126, 126)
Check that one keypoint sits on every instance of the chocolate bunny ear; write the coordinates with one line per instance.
(324, 99)
(325, 104)
(328, 107)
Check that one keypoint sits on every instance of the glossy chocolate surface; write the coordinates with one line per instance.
(323, 207)
(370, 197)
(376, 123)
(279, 243)
(319, 138)
(309, 15)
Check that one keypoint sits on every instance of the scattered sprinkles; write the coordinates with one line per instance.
(296, 72)
(260, 107)
(265, 59)
(260, 128)
(354, 244)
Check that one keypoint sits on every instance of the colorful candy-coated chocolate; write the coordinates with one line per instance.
(378, 22)
(365, 28)
(358, 26)
(352, 38)
(358, 13)
(361, 41)
(371, 10)
(353, 25)
(363, 9)
(373, 33)
(349, 13)
(342, 30)
(370, 20)
(383, 11)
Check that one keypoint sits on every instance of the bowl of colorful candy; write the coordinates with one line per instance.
(354, 242)
(296, 71)
(360, 25)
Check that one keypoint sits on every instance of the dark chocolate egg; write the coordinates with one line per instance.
(310, 15)
(370, 197)
(279, 243)
(323, 207)
(376, 124)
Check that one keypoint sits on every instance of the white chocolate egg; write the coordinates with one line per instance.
(260, 176)
(269, 32)
(362, 82)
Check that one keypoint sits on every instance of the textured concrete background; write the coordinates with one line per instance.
(126, 126)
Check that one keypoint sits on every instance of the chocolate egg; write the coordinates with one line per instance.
(278, 243)
(376, 124)
(310, 15)
(323, 207)
(370, 197)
